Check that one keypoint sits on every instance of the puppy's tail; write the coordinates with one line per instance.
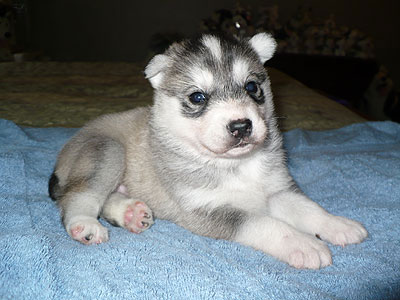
(54, 187)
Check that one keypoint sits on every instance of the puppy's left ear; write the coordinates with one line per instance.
(264, 45)
(154, 70)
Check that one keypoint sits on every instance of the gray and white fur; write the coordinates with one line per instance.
(206, 155)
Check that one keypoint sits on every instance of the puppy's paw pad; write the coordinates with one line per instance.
(88, 232)
(138, 217)
(342, 231)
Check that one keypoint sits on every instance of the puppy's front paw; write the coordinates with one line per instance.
(87, 230)
(138, 217)
(304, 252)
(342, 231)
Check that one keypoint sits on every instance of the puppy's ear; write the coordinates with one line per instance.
(264, 45)
(154, 71)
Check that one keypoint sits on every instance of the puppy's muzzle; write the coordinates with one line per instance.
(240, 129)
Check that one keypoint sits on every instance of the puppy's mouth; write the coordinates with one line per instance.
(239, 148)
(242, 143)
(233, 148)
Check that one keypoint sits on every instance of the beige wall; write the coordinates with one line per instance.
(121, 29)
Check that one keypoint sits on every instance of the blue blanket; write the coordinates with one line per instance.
(353, 171)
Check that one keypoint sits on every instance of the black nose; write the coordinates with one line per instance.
(240, 128)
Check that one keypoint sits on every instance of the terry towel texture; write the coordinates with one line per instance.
(353, 171)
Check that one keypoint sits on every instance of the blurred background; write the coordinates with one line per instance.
(346, 49)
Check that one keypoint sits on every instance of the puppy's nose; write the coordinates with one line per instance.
(240, 128)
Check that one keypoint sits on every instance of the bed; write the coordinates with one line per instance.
(49, 94)
(348, 165)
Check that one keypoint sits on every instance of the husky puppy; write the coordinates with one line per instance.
(207, 155)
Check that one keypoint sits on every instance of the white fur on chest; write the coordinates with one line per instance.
(242, 188)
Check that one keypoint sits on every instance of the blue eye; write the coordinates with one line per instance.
(251, 87)
(197, 98)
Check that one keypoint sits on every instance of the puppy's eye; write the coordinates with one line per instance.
(198, 98)
(251, 87)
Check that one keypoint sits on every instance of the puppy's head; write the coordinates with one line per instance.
(213, 95)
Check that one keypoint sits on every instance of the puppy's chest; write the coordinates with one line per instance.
(242, 189)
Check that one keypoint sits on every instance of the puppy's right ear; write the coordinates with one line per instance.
(154, 71)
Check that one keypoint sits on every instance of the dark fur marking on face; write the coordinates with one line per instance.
(194, 53)
(259, 78)
(259, 98)
(193, 111)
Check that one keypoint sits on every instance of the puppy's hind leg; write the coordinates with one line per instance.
(121, 210)
(95, 174)
(80, 212)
